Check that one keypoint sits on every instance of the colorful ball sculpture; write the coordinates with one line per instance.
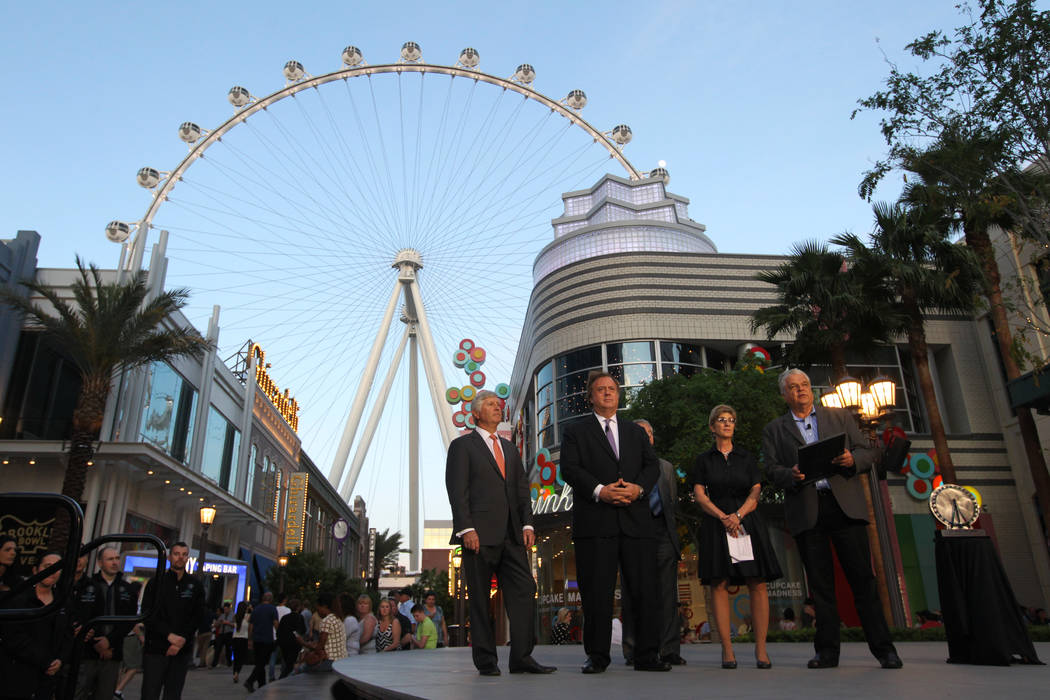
(469, 357)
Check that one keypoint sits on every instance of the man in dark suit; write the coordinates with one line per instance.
(828, 512)
(663, 502)
(492, 518)
(612, 467)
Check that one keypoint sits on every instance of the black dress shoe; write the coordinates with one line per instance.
(533, 667)
(652, 666)
(673, 659)
(759, 663)
(822, 662)
(591, 667)
(891, 660)
(490, 671)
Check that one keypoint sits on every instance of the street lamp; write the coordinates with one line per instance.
(207, 518)
(282, 561)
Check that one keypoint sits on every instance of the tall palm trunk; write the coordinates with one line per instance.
(837, 355)
(920, 354)
(87, 424)
(978, 240)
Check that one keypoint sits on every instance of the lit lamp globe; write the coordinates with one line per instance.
(884, 392)
(207, 515)
(849, 390)
(830, 400)
(117, 231)
(282, 560)
(868, 409)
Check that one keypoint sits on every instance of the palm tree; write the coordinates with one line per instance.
(106, 328)
(919, 269)
(958, 176)
(824, 307)
(388, 547)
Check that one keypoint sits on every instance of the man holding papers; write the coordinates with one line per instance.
(828, 512)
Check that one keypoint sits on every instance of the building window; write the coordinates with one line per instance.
(169, 413)
(221, 444)
(251, 486)
(681, 358)
(42, 394)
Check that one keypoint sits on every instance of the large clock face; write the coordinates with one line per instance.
(954, 506)
(340, 529)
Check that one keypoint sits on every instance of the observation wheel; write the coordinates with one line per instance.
(306, 207)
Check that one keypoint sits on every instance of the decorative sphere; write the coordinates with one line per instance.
(503, 390)
(621, 134)
(576, 99)
(117, 231)
(661, 174)
(238, 96)
(525, 74)
(410, 51)
(293, 71)
(352, 56)
(148, 178)
(189, 132)
(469, 58)
(466, 344)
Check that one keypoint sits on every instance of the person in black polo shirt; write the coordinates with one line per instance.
(171, 630)
(105, 593)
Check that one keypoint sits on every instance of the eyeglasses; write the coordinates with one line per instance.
(726, 420)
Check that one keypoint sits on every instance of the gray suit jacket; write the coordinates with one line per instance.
(480, 497)
(668, 487)
(780, 442)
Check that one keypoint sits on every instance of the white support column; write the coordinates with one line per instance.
(373, 421)
(241, 488)
(413, 449)
(435, 377)
(200, 429)
(335, 474)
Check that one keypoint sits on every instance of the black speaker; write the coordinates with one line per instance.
(893, 457)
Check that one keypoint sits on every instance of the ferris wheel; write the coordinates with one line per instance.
(310, 212)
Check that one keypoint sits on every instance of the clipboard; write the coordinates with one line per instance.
(815, 460)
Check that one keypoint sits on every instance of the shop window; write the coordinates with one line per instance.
(221, 444)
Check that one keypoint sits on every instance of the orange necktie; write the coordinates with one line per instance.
(498, 453)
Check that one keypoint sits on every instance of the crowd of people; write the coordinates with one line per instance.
(274, 637)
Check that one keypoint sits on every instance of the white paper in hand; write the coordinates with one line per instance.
(740, 548)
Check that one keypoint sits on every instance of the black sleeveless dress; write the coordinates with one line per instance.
(728, 483)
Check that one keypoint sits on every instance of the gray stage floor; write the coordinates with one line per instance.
(448, 674)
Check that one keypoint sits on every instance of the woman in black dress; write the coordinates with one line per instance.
(726, 485)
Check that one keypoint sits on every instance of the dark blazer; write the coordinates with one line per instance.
(780, 442)
(587, 460)
(668, 486)
(479, 495)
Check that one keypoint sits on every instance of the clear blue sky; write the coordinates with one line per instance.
(748, 102)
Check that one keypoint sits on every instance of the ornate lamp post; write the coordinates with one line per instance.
(207, 518)
(457, 563)
(282, 561)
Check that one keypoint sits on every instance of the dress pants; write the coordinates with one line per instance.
(97, 678)
(508, 561)
(164, 672)
(223, 647)
(669, 630)
(262, 659)
(850, 539)
(597, 559)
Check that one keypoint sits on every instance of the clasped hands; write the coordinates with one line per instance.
(731, 523)
(844, 460)
(620, 493)
(176, 642)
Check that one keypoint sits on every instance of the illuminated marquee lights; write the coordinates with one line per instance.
(285, 404)
(295, 520)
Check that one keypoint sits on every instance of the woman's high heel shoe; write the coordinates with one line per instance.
(763, 664)
(728, 664)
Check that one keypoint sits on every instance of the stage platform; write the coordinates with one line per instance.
(448, 674)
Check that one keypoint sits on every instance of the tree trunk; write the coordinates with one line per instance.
(837, 354)
(978, 240)
(917, 343)
(87, 424)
